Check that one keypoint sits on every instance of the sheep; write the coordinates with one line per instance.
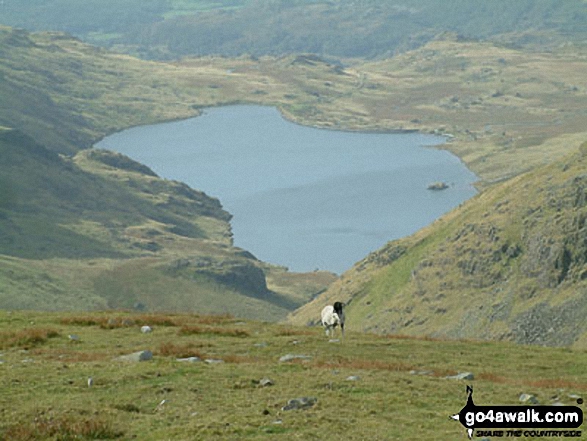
(332, 316)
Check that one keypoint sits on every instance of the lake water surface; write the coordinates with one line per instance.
(302, 197)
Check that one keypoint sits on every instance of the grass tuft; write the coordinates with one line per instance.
(225, 332)
(27, 338)
(170, 349)
(63, 429)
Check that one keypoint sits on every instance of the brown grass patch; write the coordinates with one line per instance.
(81, 321)
(84, 357)
(170, 349)
(226, 332)
(411, 337)
(491, 377)
(366, 365)
(27, 338)
(146, 319)
(63, 429)
(544, 383)
(549, 383)
(220, 319)
(288, 332)
(239, 359)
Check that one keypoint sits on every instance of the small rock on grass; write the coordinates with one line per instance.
(528, 398)
(136, 356)
(300, 403)
(462, 376)
(291, 357)
(264, 382)
(189, 359)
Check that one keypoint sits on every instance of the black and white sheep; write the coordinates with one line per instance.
(333, 316)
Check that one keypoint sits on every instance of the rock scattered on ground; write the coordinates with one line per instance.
(213, 361)
(189, 359)
(146, 329)
(462, 376)
(353, 378)
(291, 357)
(528, 399)
(264, 382)
(300, 403)
(137, 356)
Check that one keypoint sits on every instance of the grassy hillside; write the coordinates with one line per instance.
(508, 265)
(170, 29)
(101, 231)
(44, 376)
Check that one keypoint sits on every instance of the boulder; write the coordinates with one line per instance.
(291, 357)
(462, 376)
(137, 356)
(189, 359)
(528, 399)
(300, 403)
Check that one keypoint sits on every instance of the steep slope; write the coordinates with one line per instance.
(101, 231)
(58, 207)
(97, 230)
(511, 264)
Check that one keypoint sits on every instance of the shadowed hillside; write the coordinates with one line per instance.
(511, 264)
(101, 231)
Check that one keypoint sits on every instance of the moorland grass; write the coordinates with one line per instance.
(45, 392)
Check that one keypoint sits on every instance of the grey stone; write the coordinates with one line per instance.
(462, 376)
(189, 359)
(73, 338)
(528, 398)
(146, 329)
(300, 403)
(264, 382)
(353, 378)
(137, 356)
(213, 361)
(291, 357)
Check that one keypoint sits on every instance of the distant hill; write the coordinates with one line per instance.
(510, 264)
(169, 29)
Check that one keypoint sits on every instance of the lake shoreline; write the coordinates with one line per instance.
(289, 183)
